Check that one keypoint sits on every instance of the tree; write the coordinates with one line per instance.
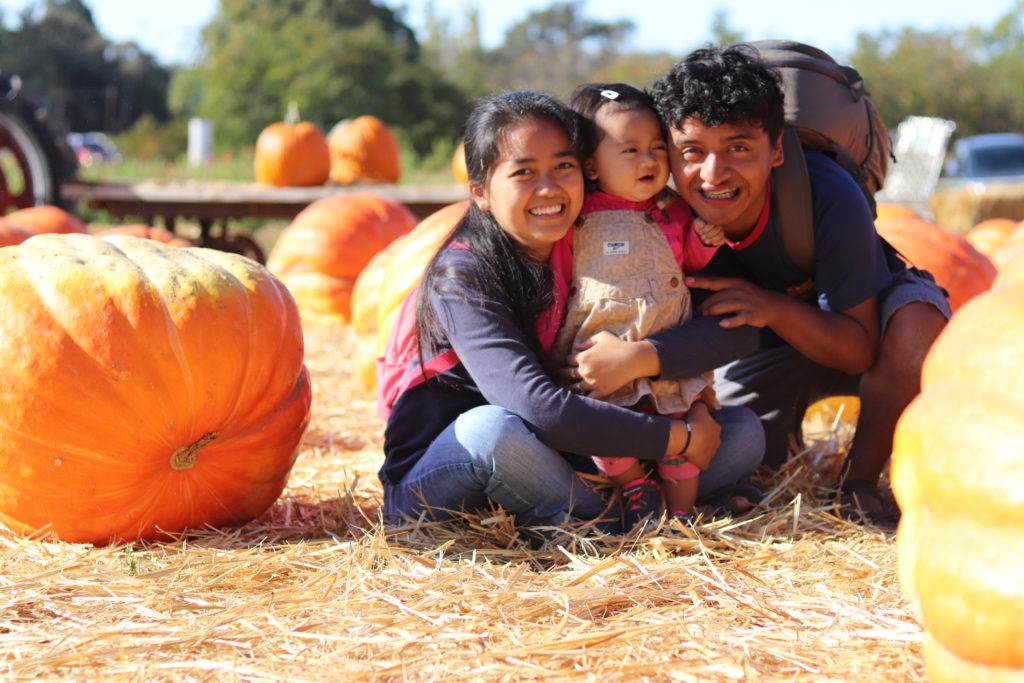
(721, 32)
(97, 85)
(970, 76)
(556, 49)
(336, 59)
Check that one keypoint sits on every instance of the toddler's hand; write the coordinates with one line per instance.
(710, 234)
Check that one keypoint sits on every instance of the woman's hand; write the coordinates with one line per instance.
(705, 436)
(604, 363)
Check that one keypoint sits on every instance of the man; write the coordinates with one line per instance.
(861, 326)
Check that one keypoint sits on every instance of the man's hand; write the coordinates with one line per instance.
(604, 363)
(745, 303)
(846, 340)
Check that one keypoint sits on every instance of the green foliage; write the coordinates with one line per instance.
(721, 32)
(148, 140)
(96, 84)
(970, 76)
(555, 50)
(337, 59)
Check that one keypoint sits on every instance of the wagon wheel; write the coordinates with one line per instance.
(34, 157)
(27, 175)
(238, 244)
(224, 240)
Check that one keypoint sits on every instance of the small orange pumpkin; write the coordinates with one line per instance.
(147, 232)
(325, 247)
(960, 268)
(291, 153)
(144, 389)
(363, 150)
(459, 164)
(957, 468)
(45, 219)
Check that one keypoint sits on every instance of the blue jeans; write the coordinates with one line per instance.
(488, 455)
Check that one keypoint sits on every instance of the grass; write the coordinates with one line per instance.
(317, 589)
(237, 165)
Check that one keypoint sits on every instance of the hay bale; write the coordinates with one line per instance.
(959, 209)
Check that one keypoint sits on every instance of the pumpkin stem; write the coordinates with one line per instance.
(292, 117)
(184, 458)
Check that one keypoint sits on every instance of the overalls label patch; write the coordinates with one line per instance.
(616, 248)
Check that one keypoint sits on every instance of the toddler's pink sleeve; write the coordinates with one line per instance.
(695, 253)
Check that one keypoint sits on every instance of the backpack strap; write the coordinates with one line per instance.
(793, 208)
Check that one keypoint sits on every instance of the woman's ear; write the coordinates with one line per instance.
(479, 196)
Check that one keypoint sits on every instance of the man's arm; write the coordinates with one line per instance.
(846, 340)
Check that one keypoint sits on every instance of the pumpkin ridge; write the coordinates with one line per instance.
(74, 256)
(266, 286)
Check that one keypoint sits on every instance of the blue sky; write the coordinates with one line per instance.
(170, 29)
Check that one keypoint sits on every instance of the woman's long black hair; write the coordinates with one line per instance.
(506, 272)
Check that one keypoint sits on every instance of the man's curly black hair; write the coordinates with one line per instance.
(722, 84)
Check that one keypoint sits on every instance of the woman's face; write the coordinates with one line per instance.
(535, 188)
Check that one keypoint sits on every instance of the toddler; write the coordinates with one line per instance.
(633, 243)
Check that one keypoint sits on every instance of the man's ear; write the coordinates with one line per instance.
(479, 197)
(778, 156)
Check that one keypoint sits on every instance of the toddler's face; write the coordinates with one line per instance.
(631, 161)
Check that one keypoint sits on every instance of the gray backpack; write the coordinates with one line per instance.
(828, 109)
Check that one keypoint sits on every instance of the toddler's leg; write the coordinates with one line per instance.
(641, 496)
(680, 482)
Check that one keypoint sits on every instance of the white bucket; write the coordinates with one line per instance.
(200, 141)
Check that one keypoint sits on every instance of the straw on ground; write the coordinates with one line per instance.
(318, 590)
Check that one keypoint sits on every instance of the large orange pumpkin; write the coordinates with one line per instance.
(144, 389)
(146, 232)
(291, 153)
(364, 150)
(405, 267)
(891, 210)
(956, 265)
(45, 219)
(990, 234)
(11, 234)
(326, 246)
(958, 464)
(365, 297)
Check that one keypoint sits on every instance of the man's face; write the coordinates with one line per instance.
(722, 172)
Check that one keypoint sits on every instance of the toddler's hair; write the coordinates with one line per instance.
(590, 98)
